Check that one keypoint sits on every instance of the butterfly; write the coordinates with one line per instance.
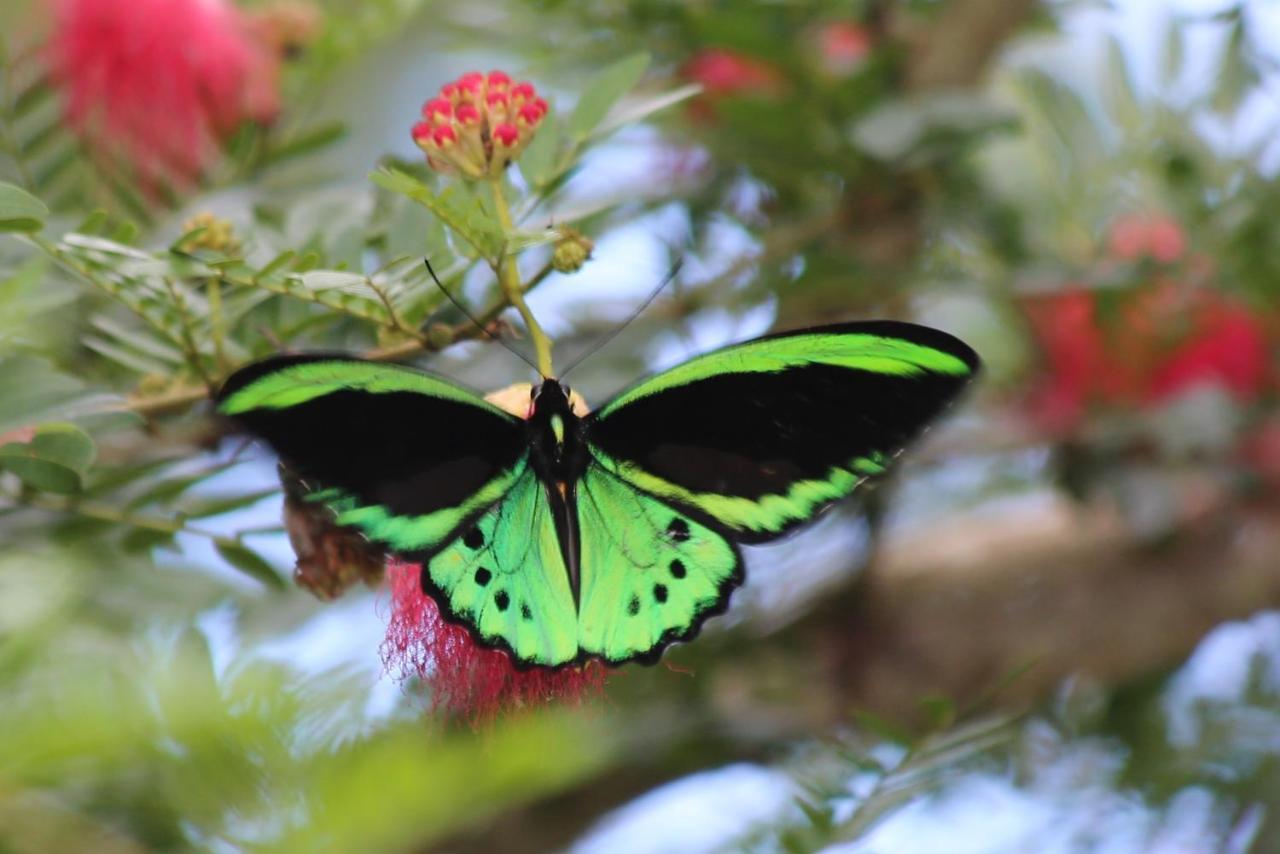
(561, 538)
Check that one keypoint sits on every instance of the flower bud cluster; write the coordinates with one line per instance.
(478, 124)
(217, 234)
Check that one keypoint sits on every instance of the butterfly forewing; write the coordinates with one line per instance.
(650, 574)
(505, 579)
(761, 436)
(404, 457)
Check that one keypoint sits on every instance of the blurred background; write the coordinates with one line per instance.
(1054, 628)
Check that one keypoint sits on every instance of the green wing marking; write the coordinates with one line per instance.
(650, 574)
(423, 532)
(299, 382)
(505, 579)
(766, 514)
(855, 350)
(762, 436)
(404, 457)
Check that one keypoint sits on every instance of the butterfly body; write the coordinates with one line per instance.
(561, 538)
(559, 456)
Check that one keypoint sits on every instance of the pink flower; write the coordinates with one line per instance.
(1133, 237)
(725, 72)
(158, 83)
(467, 679)
(843, 46)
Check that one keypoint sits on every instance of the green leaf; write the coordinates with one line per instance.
(53, 461)
(19, 210)
(541, 160)
(249, 562)
(638, 109)
(32, 391)
(1236, 74)
(65, 444)
(465, 217)
(216, 505)
(30, 98)
(306, 142)
(602, 92)
(37, 473)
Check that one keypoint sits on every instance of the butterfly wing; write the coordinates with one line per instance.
(651, 575)
(506, 580)
(406, 458)
(761, 436)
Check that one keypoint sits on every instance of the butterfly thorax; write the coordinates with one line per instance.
(557, 446)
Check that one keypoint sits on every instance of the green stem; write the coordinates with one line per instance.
(509, 281)
(217, 323)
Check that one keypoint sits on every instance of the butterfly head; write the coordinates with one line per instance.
(550, 397)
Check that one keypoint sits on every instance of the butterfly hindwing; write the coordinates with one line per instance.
(650, 574)
(505, 579)
(404, 457)
(761, 436)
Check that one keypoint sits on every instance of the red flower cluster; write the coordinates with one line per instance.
(1157, 237)
(725, 72)
(467, 679)
(1161, 341)
(159, 82)
(478, 124)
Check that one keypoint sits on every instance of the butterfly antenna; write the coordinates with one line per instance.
(482, 327)
(666, 280)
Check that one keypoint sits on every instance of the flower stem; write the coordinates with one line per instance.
(509, 281)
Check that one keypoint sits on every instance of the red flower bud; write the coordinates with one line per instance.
(523, 91)
(506, 134)
(467, 114)
(444, 136)
(498, 100)
(529, 114)
(470, 84)
(421, 132)
(498, 80)
(438, 109)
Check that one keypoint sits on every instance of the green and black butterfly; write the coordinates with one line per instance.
(561, 538)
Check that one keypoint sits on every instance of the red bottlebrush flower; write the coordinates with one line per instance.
(160, 82)
(467, 679)
(1074, 352)
(478, 110)
(1161, 341)
(1228, 347)
(843, 46)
